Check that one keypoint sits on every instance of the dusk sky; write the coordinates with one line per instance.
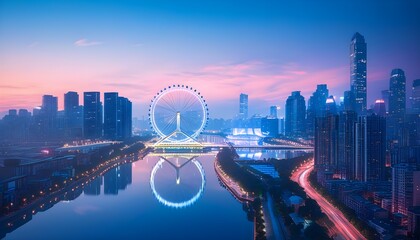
(222, 48)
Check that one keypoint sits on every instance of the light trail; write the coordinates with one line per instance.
(344, 227)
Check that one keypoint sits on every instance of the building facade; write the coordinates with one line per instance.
(358, 72)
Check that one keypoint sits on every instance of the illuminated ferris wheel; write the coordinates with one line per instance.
(178, 113)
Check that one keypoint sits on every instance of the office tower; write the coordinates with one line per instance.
(330, 105)
(385, 96)
(379, 107)
(316, 107)
(24, 113)
(92, 115)
(415, 96)
(358, 60)
(243, 106)
(404, 180)
(326, 145)
(397, 98)
(295, 115)
(124, 118)
(370, 148)
(49, 116)
(348, 101)
(110, 115)
(270, 126)
(346, 164)
(282, 125)
(73, 117)
(12, 112)
(273, 111)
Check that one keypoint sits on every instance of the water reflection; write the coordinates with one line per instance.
(88, 206)
(113, 179)
(177, 162)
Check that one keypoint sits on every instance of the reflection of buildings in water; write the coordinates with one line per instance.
(117, 179)
(177, 167)
(93, 188)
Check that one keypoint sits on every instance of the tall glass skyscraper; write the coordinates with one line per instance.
(243, 106)
(110, 115)
(316, 107)
(117, 116)
(358, 60)
(295, 115)
(415, 97)
(72, 115)
(49, 116)
(397, 98)
(92, 115)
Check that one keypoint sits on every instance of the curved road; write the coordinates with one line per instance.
(344, 227)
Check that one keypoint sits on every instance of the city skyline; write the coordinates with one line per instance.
(61, 52)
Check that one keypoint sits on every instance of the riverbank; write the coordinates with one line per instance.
(232, 186)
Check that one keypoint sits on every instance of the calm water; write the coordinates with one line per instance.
(122, 205)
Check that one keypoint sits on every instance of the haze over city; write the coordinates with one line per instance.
(266, 49)
(263, 120)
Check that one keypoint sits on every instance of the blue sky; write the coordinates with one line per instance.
(264, 48)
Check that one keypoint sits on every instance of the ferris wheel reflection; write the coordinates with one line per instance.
(175, 162)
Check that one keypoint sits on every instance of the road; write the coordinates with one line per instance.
(344, 227)
(274, 229)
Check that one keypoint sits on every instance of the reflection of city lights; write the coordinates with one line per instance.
(45, 151)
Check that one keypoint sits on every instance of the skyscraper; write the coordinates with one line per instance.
(49, 116)
(326, 144)
(124, 118)
(415, 96)
(346, 164)
(348, 101)
(72, 115)
(295, 115)
(397, 98)
(330, 105)
(316, 107)
(403, 183)
(110, 115)
(379, 107)
(92, 115)
(370, 148)
(270, 126)
(358, 60)
(385, 96)
(273, 111)
(243, 106)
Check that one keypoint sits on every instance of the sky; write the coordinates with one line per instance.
(266, 49)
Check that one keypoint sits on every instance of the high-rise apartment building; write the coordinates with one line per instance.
(370, 148)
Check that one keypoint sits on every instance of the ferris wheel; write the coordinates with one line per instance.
(178, 113)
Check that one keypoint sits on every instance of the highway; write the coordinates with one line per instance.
(343, 226)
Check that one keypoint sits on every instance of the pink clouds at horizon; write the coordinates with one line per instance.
(267, 84)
